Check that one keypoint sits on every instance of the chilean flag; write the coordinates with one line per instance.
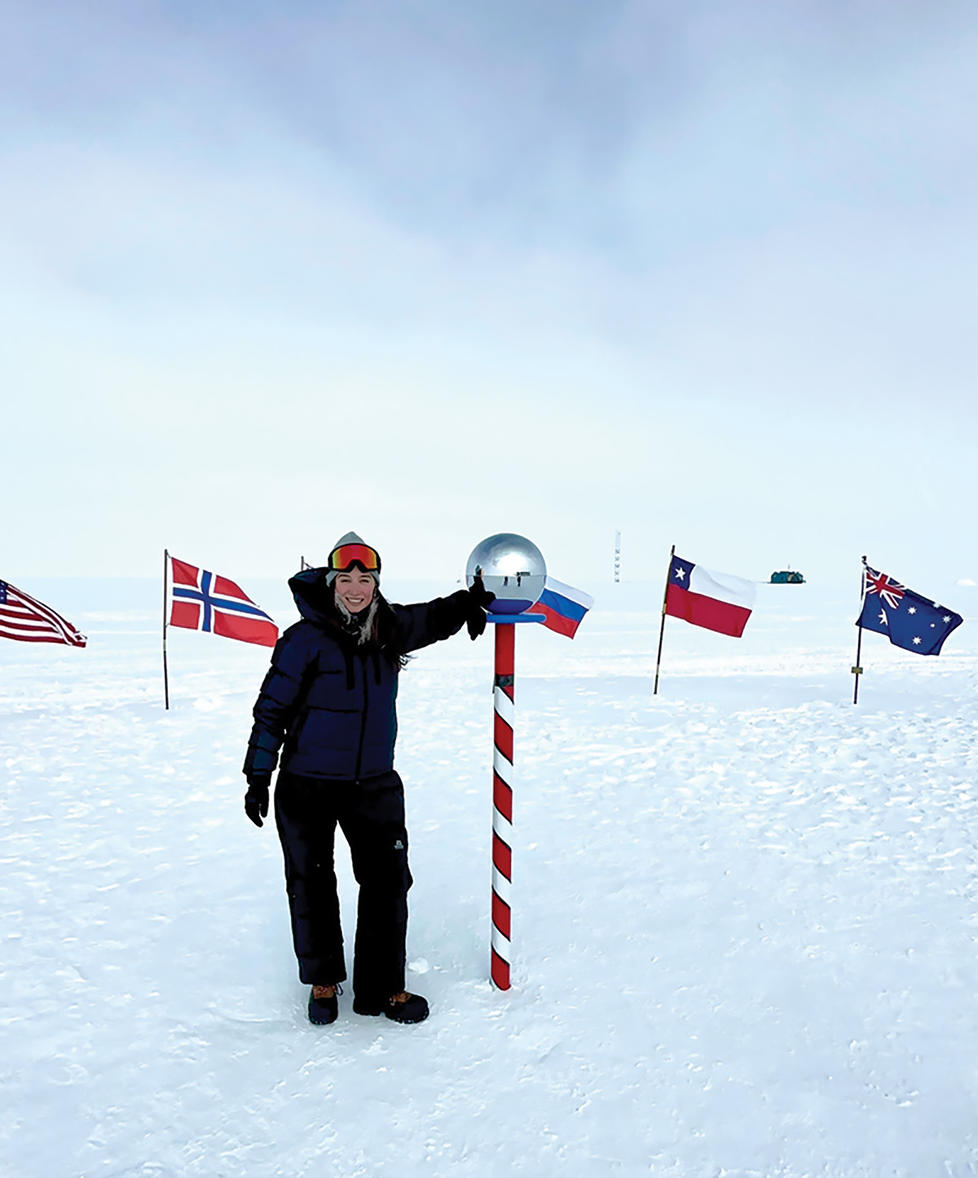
(200, 600)
(714, 601)
(562, 606)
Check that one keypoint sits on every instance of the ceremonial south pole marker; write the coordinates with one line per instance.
(513, 568)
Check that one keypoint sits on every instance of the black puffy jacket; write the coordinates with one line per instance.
(328, 703)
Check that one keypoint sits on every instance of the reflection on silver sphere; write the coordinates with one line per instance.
(512, 567)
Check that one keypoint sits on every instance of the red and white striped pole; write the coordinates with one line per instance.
(513, 569)
(504, 707)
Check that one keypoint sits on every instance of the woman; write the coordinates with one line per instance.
(328, 702)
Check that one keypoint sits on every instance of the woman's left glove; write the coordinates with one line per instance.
(256, 799)
(479, 601)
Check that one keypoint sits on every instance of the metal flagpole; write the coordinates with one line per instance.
(857, 670)
(662, 625)
(166, 677)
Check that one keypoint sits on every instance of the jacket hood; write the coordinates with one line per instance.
(312, 595)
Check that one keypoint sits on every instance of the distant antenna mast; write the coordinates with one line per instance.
(617, 557)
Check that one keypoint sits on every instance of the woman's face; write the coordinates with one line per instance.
(355, 589)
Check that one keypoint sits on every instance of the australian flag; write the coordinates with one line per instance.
(907, 619)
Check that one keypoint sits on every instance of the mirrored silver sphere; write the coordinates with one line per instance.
(512, 567)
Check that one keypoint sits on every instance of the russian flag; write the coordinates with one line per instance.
(562, 606)
(715, 601)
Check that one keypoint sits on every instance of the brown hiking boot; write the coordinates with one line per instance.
(323, 1007)
(402, 1008)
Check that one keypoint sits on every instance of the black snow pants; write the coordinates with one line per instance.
(371, 816)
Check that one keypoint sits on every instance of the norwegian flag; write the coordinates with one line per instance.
(201, 600)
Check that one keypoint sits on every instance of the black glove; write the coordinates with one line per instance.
(256, 799)
(479, 601)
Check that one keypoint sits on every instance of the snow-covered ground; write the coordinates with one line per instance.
(745, 911)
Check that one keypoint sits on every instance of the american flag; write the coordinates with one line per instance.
(25, 619)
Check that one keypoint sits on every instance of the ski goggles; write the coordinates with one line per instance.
(342, 559)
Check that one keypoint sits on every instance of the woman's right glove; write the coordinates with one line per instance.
(256, 799)
(479, 601)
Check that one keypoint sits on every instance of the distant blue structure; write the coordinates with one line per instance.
(787, 577)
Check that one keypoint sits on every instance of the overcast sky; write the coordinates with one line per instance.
(430, 269)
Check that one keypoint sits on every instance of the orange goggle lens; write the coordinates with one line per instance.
(344, 557)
